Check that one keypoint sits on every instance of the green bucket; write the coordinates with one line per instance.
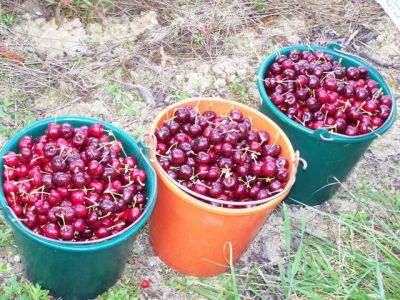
(330, 156)
(70, 270)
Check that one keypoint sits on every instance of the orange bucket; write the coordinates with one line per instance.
(196, 238)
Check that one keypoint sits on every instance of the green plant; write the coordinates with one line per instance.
(87, 10)
(7, 19)
(221, 287)
(137, 133)
(122, 290)
(6, 237)
(239, 89)
(124, 103)
(21, 289)
(178, 96)
(361, 264)
(198, 39)
(260, 6)
(14, 114)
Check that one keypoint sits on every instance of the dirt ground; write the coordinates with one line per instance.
(129, 64)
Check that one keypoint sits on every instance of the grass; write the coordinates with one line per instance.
(122, 290)
(14, 114)
(128, 104)
(7, 19)
(6, 237)
(239, 89)
(361, 262)
(88, 11)
(21, 289)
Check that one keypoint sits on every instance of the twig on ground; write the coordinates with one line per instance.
(351, 37)
(12, 56)
(64, 106)
(144, 92)
(378, 60)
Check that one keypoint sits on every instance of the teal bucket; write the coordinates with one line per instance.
(330, 156)
(70, 270)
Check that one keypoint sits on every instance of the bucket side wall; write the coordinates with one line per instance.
(68, 275)
(329, 163)
(194, 241)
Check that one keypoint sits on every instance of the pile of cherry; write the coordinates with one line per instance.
(318, 92)
(221, 157)
(74, 184)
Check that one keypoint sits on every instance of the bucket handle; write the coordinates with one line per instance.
(323, 134)
(152, 148)
(295, 162)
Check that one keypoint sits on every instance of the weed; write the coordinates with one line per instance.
(123, 290)
(178, 96)
(138, 132)
(88, 11)
(6, 237)
(361, 263)
(7, 19)
(14, 114)
(124, 103)
(22, 289)
(220, 287)
(115, 90)
(132, 108)
(260, 6)
(240, 90)
(198, 39)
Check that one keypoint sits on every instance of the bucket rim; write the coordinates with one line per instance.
(221, 210)
(323, 133)
(89, 245)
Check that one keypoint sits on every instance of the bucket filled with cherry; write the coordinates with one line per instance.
(332, 105)
(75, 191)
(221, 159)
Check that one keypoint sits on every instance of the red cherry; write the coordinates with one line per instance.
(96, 130)
(132, 214)
(51, 230)
(10, 159)
(145, 284)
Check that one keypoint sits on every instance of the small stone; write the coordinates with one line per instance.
(17, 258)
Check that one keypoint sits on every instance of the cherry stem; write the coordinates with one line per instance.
(91, 206)
(116, 225)
(112, 193)
(36, 158)
(105, 216)
(199, 182)
(170, 148)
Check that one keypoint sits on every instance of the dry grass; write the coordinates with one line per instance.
(190, 30)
